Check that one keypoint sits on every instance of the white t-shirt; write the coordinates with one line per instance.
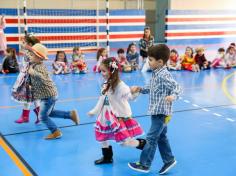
(117, 100)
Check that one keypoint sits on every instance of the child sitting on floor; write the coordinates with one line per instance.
(78, 64)
(174, 62)
(125, 66)
(10, 64)
(60, 65)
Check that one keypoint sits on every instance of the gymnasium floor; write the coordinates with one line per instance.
(202, 132)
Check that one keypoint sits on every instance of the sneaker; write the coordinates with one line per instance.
(138, 167)
(74, 117)
(57, 134)
(167, 167)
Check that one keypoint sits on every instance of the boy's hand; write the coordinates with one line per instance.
(90, 114)
(170, 98)
(135, 89)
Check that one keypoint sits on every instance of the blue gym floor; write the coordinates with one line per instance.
(202, 131)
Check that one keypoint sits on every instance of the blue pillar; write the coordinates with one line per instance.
(161, 7)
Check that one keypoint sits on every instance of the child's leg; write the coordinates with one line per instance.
(72, 115)
(197, 67)
(46, 107)
(105, 144)
(192, 68)
(24, 118)
(146, 66)
(164, 147)
(157, 132)
(37, 103)
(130, 142)
(65, 69)
(36, 110)
(138, 143)
(26, 106)
(215, 62)
(107, 154)
(59, 70)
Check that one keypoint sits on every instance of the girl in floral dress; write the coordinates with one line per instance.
(21, 90)
(114, 121)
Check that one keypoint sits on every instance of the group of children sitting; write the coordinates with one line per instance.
(127, 63)
(130, 61)
(78, 65)
(198, 62)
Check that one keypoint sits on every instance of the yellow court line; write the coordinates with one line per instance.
(224, 87)
(15, 158)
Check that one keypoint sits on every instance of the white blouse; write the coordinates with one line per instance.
(117, 100)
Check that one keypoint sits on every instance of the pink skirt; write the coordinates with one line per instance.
(118, 129)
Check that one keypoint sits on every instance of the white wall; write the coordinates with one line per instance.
(203, 4)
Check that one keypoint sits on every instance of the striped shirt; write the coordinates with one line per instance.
(161, 85)
(42, 84)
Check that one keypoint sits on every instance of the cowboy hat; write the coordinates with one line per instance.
(40, 50)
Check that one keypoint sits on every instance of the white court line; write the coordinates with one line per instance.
(204, 109)
(207, 110)
(229, 119)
(216, 114)
(195, 105)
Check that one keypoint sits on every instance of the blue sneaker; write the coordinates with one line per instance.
(167, 167)
(138, 167)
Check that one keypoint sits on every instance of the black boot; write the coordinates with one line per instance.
(142, 143)
(107, 156)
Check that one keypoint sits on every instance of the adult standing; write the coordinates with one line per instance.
(3, 42)
(144, 43)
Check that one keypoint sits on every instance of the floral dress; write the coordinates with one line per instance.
(108, 125)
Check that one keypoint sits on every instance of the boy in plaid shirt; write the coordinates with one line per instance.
(163, 90)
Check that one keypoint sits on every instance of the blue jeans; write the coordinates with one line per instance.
(47, 110)
(156, 136)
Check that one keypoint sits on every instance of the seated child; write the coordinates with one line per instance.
(201, 60)
(78, 64)
(133, 56)
(230, 57)
(174, 62)
(10, 64)
(219, 60)
(125, 66)
(188, 62)
(60, 65)
(101, 55)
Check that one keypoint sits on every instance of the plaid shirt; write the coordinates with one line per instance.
(161, 85)
(42, 84)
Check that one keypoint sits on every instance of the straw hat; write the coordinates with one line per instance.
(40, 51)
